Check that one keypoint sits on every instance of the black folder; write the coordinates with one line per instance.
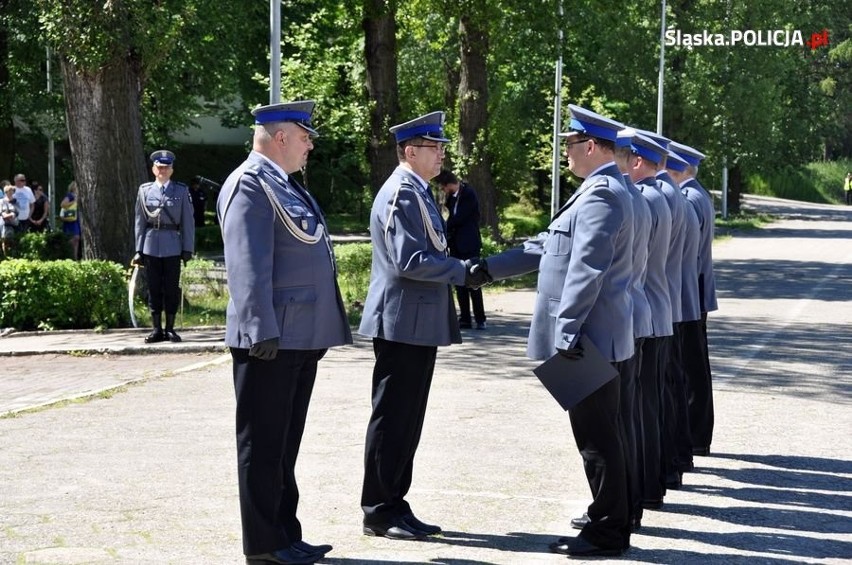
(569, 381)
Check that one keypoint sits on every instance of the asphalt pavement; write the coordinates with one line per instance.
(118, 452)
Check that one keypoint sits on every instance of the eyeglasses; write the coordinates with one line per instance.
(570, 143)
(440, 148)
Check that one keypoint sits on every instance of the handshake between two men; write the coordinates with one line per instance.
(476, 273)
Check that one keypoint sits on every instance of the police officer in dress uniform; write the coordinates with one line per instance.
(690, 317)
(408, 313)
(649, 154)
(165, 236)
(674, 276)
(585, 264)
(284, 313)
(626, 157)
(696, 359)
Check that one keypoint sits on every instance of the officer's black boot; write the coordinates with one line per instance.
(170, 329)
(156, 335)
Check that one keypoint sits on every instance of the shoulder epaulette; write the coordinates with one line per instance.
(253, 169)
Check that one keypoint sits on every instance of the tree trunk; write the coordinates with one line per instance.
(102, 110)
(7, 130)
(473, 116)
(382, 87)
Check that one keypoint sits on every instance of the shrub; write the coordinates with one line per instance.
(208, 240)
(522, 220)
(45, 246)
(62, 294)
(201, 277)
(353, 273)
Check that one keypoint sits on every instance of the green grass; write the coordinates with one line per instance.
(198, 310)
(744, 221)
(820, 182)
(520, 220)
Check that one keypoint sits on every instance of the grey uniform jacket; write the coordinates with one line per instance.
(158, 212)
(656, 282)
(690, 299)
(585, 263)
(642, 326)
(409, 299)
(674, 261)
(703, 204)
(281, 286)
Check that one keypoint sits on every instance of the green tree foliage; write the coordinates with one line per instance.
(758, 107)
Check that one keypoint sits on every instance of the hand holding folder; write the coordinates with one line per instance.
(570, 380)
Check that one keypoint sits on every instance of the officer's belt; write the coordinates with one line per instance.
(154, 226)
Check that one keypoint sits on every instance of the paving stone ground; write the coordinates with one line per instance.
(147, 475)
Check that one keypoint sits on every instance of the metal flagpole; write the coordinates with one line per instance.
(275, 51)
(557, 126)
(51, 173)
(661, 76)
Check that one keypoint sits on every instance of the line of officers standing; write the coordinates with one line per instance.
(625, 262)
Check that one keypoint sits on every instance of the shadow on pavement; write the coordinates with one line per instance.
(744, 353)
(678, 557)
(784, 545)
(521, 542)
(779, 279)
(800, 462)
(790, 481)
(794, 519)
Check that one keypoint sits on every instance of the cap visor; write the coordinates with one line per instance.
(310, 130)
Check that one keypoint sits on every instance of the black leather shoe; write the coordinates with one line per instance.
(674, 481)
(464, 325)
(580, 522)
(394, 529)
(481, 325)
(428, 529)
(579, 547)
(306, 547)
(652, 504)
(701, 451)
(155, 336)
(289, 556)
(171, 336)
(635, 524)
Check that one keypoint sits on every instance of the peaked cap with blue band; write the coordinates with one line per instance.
(641, 145)
(660, 139)
(591, 123)
(687, 153)
(298, 112)
(428, 126)
(162, 157)
(675, 162)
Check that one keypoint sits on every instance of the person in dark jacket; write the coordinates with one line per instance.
(464, 240)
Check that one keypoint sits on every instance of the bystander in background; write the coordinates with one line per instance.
(40, 219)
(199, 201)
(25, 199)
(464, 241)
(9, 215)
(70, 217)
